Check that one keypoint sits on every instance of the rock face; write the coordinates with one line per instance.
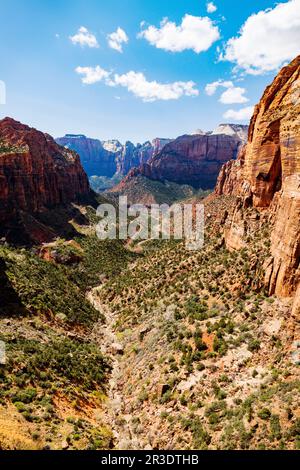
(136, 155)
(230, 176)
(267, 176)
(97, 158)
(192, 159)
(237, 130)
(35, 172)
(110, 157)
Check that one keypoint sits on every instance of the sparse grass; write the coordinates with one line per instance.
(191, 322)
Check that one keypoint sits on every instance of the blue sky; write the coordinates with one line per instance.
(40, 54)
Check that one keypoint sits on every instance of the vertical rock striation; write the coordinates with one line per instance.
(191, 159)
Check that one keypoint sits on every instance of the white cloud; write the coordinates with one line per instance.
(266, 40)
(211, 88)
(92, 75)
(196, 33)
(211, 7)
(84, 38)
(137, 83)
(116, 39)
(243, 114)
(233, 95)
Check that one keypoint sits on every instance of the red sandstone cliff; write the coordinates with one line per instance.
(35, 172)
(267, 176)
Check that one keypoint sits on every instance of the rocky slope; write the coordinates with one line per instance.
(141, 190)
(267, 176)
(54, 373)
(110, 157)
(35, 172)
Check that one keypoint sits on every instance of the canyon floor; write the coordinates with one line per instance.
(207, 360)
(147, 347)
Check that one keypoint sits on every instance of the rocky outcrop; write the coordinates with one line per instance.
(192, 159)
(132, 156)
(35, 172)
(158, 144)
(284, 271)
(267, 176)
(110, 157)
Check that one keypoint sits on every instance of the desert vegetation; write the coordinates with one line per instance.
(205, 347)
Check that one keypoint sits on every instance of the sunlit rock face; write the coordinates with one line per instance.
(35, 172)
(192, 159)
(266, 175)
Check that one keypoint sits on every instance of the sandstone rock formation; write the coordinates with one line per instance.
(237, 130)
(35, 172)
(110, 157)
(132, 156)
(192, 159)
(267, 176)
(97, 158)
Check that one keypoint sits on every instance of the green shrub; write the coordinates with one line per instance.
(254, 345)
(275, 427)
(65, 361)
(265, 413)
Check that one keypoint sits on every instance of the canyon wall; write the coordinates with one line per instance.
(96, 158)
(192, 159)
(35, 172)
(266, 176)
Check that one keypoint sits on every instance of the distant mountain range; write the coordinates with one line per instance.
(194, 160)
(237, 130)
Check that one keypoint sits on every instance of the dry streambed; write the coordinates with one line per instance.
(113, 413)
